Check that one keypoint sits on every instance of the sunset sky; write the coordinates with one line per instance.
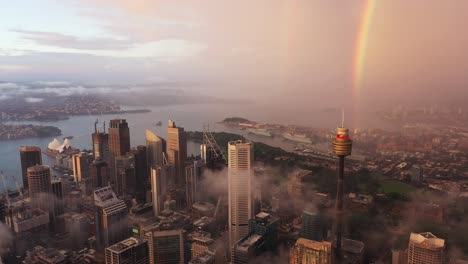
(295, 50)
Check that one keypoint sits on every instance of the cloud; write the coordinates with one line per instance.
(6, 240)
(8, 68)
(33, 100)
(73, 42)
(8, 85)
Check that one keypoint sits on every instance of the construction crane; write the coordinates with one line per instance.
(18, 187)
(210, 142)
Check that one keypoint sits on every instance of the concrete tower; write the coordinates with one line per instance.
(240, 176)
(342, 146)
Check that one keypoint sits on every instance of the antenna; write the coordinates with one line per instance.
(342, 117)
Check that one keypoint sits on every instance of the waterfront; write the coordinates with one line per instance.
(191, 117)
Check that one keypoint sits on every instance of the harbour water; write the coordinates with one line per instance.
(190, 116)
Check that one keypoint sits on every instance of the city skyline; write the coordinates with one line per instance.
(214, 132)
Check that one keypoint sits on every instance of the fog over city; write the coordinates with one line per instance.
(288, 52)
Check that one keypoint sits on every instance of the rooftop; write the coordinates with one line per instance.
(247, 242)
(313, 244)
(427, 240)
(125, 244)
(203, 206)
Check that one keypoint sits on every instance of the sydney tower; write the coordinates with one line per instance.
(342, 146)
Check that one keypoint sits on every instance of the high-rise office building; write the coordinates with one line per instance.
(240, 175)
(119, 137)
(425, 248)
(100, 145)
(119, 144)
(142, 183)
(58, 195)
(265, 225)
(111, 218)
(166, 247)
(159, 188)
(133, 250)
(177, 151)
(307, 251)
(99, 175)
(39, 186)
(30, 228)
(155, 147)
(193, 175)
(125, 176)
(311, 225)
(247, 249)
(296, 188)
(29, 156)
(81, 163)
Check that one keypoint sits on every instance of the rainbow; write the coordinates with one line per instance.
(361, 46)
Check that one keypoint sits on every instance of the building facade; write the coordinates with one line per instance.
(132, 250)
(29, 156)
(307, 251)
(111, 217)
(425, 248)
(39, 186)
(177, 151)
(166, 247)
(240, 175)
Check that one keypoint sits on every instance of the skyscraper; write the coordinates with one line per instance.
(158, 188)
(265, 225)
(39, 186)
(100, 144)
(81, 163)
(307, 251)
(193, 175)
(240, 175)
(142, 184)
(425, 248)
(177, 151)
(119, 137)
(342, 146)
(99, 172)
(166, 247)
(111, 217)
(119, 144)
(125, 178)
(57, 191)
(29, 156)
(132, 250)
(311, 225)
(155, 147)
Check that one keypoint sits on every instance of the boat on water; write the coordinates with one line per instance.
(302, 138)
(69, 137)
(260, 132)
(159, 123)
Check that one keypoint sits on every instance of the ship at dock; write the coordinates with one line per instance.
(301, 138)
(260, 132)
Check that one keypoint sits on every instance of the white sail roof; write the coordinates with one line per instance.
(54, 145)
(66, 145)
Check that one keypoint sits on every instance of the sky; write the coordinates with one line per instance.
(285, 51)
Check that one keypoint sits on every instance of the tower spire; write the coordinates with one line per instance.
(342, 117)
